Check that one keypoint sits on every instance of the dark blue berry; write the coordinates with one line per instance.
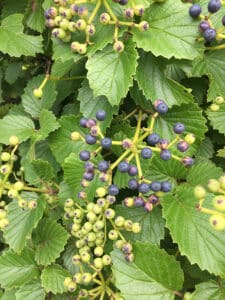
(106, 143)
(155, 186)
(113, 190)
(100, 115)
(84, 155)
(133, 184)
(143, 188)
(103, 166)
(161, 107)
(83, 122)
(166, 186)
(146, 153)
(133, 170)
(153, 139)
(188, 161)
(178, 128)
(203, 26)
(209, 35)
(223, 20)
(195, 10)
(182, 146)
(165, 154)
(139, 201)
(88, 176)
(123, 2)
(214, 6)
(123, 167)
(89, 166)
(90, 139)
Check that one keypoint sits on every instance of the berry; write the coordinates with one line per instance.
(178, 128)
(161, 107)
(13, 140)
(133, 184)
(106, 143)
(146, 153)
(153, 139)
(213, 185)
(100, 115)
(94, 130)
(128, 202)
(136, 227)
(86, 278)
(88, 176)
(129, 13)
(219, 202)
(105, 18)
(98, 263)
(214, 6)
(123, 2)
(37, 93)
(133, 171)
(139, 201)
(103, 166)
(82, 11)
(214, 107)
(190, 138)
(81, 24)
(127, 247)
(5, 169)
(165, 154)
(217, 222)
(129, 257)
(109, 213)
(106, 259)
(113, 190)
(101, 192)
(163, 143)
(195, 10)
(143, 188)
(119, 221)
(223, 20)
(209, 35)
(67, 281)
(83, 122)
(118, 46)
(199, 192)
(123, 167)
(89, 166)
(166, 186)
(139, 10)
(143, 26)
(90, 139)
(90, 29)
(219, 100)
(182, 146)
(82, 48)
(72, 286)
(113, 235)
(153, 199)
(75, 136)
(98, 251)
(187, 161)
(84, 155)
(155, 186)
(203, 26)
(5, 156)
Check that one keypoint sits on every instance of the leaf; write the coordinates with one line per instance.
(210, 290)
(31, 291)
(221, 152)
(48, 123)
(14, 42)
(43, 169)
(62, 51)
(155, 85)
(49, 239)
(191, 230)
(153, 275)
(206, 150)
(31, 104)
(20, 126)
(34, 16)
(12, 72)
(110, 74)
(89, 105)
(152, 224)
(22, 222)
(52, 279)
(172, 31)
(217, 119)
(16, 270)
(9, 295)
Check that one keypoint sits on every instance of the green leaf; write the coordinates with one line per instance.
(153, 275)
(172, 31)
(31, 291)
(191, 230)
(210, 290)
(12, 72)
(155, 85)
(22, 222)
(152, 224)
(31, 104)
(43, 169)
(48, 123)
(89, 105)
(9, 295)
(52, 279)
(206, 150)
(49, 240)
(14, 42)
(16, 270)
(34, 16)
(62, 51)
(217, 119)
(221, 152)
(110, 74)
(20, 126)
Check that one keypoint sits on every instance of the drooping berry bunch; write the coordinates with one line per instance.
(68, 17)
(217, 219)
(206, 27)
(218, 101)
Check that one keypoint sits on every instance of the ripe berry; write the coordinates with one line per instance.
(153, 139)
(139, 201)
(90, 139)
(182, 146)
(161, 107)
(123, 2)
(103, 166)
(91, 123)
(118, 46)
(84, 155)
(217, 222)
(133, 171)
(89, 166)
(219, 202)
(100, 115)
(123, 167)
(153, 199)
(165, 154)
(83, 122)
(209, 34)
(146, 153)
(133, 184)
(195, 10)
(223, 20)
(88, 176)
(166, 186)
(113, 190)
(214, 6)
(155, 186)
(37, 93)
(187, 161)
(143, 188)
(178, 128)
(143, 26)
(203, 26)
(106, 143)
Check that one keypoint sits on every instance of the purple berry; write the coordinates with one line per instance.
(166, 186)
(203, 26)
(90, 139)
(100, 115)
(195, 10)
(209, 35)
(103, 166)
(153, 139)
(90, 123)
(83, 122)
(146, 153)
(153, 199)
(89, 166)
(163, 143)
(133, 184)
(155, 186)
(133, 170)
(182, 146)
(214, 6)
(123, 2)
(178, 128)
(106, 143)
(139, 201)
(148, 207)
(88, 176)
(188, 161)
(123, 167)
(143, 188)
(223, 20)
(165, 154)
(113, 190)
(84, 155)
(161, 107)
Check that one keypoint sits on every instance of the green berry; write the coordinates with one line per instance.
(72, 286)
(72, 26)
(82, 48)
(217, 222)
(136, 227)
(113, 235)
(4, 223)
(105, 18)
(199, 192)
(86, 278)
(3, 214)
(91, 217)
(119, 221)
(12, 193)
(77, 278)
(13, 140)
(64, 24)
(219, 100)
(128, 224)
(81, 24)
(100, 192)
(98, 251)
(5, 156)
(213, 185)
(106, 259)
(67, 281)
(222, 182)
(214, 107)
(97, 209)
(69, 202)
(32, 204)
(74, 47)
(91, 237)
(190, 138)
(90, 29)
(37, 93)
(143, 26)
(98, 263)
(87, 226)
(139, 10)
(118, 46)
(109, 213)
(85, 257)
(75, 136)
(119, 244)
(219, 202)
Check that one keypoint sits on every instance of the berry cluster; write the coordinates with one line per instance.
(209, 32)
(215, 106)
(70, 16)
(217, 219)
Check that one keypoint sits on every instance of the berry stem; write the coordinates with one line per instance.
(94, 12)
(174, 141)
(44, 81)
(140, 174)
(216, 47)
(55, 78)
(119, 233)
(117, 143)
(115, 164)
(210, 211)
(138, 128)
(130, 114)
(109, 10)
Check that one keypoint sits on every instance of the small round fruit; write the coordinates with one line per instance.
(105, 18)
(123, 167)
(179, 128)
(136, 227)
(195, 10)
(75, 136)
(214, 6)
(67, 281)
(190, 138)
(209, 35)
(219, 202)
(83, 122)
(161, 107)
(109, 213)
(103, 166)
(37, 93)
(5, 156)
(133, 170)
(81, 24)
(217, 222)
(129, 202)
(82, 48)
(187, 161)
(101, 192)
(219, 100)
(214, 107)
(182, 146)
(146, 153)
(139, 10)
(203, 26)
(90, 139)
(143, 26)
(155, 186)
(90, 29)
(223, 21)
(13, 140)
(101, 115)
(199, 192)
(153, 139)
(106, 259)
(106, 143)
(113, 190)
(143, 188)
(84, 155)
(165, 154)
(133, 184)
(166, 186)
(118, 46)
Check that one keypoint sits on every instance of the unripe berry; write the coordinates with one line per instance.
(67, 281)
(13, 140)
(213, 185)
(100, 192)
(72, 26)
(5, 156)
(12, 193)
(119, 221)
(128, 202)
(127, 248)
(219, 100)
(77, 278)
(106, 259)
(214, 107)
(129, 13)
(118, 46)
(64, 24)
(58, 33)
(91, 217)
(3, 214)
(105, 18)
(128, 225)
(82, 48)
(98, 263)
(217, 222)
(119, 244)
(90, 29)
(219, 202)
(190, 138)
(136, 227)
(74, 46)
(81, 24)
(222, 181)
(75, 136)
(82, 12)
(143, 26)
(22, 203)
(129, 257)
(57, 20)
(109, 213)
(76, 259)
(199, 192)
(86, 278)
(69, 202)
(85, 257)
(98, 251)
(4, 223)
(139, 10)
(72, 286)
(32, 204)
(37, 93)
(113, 235)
